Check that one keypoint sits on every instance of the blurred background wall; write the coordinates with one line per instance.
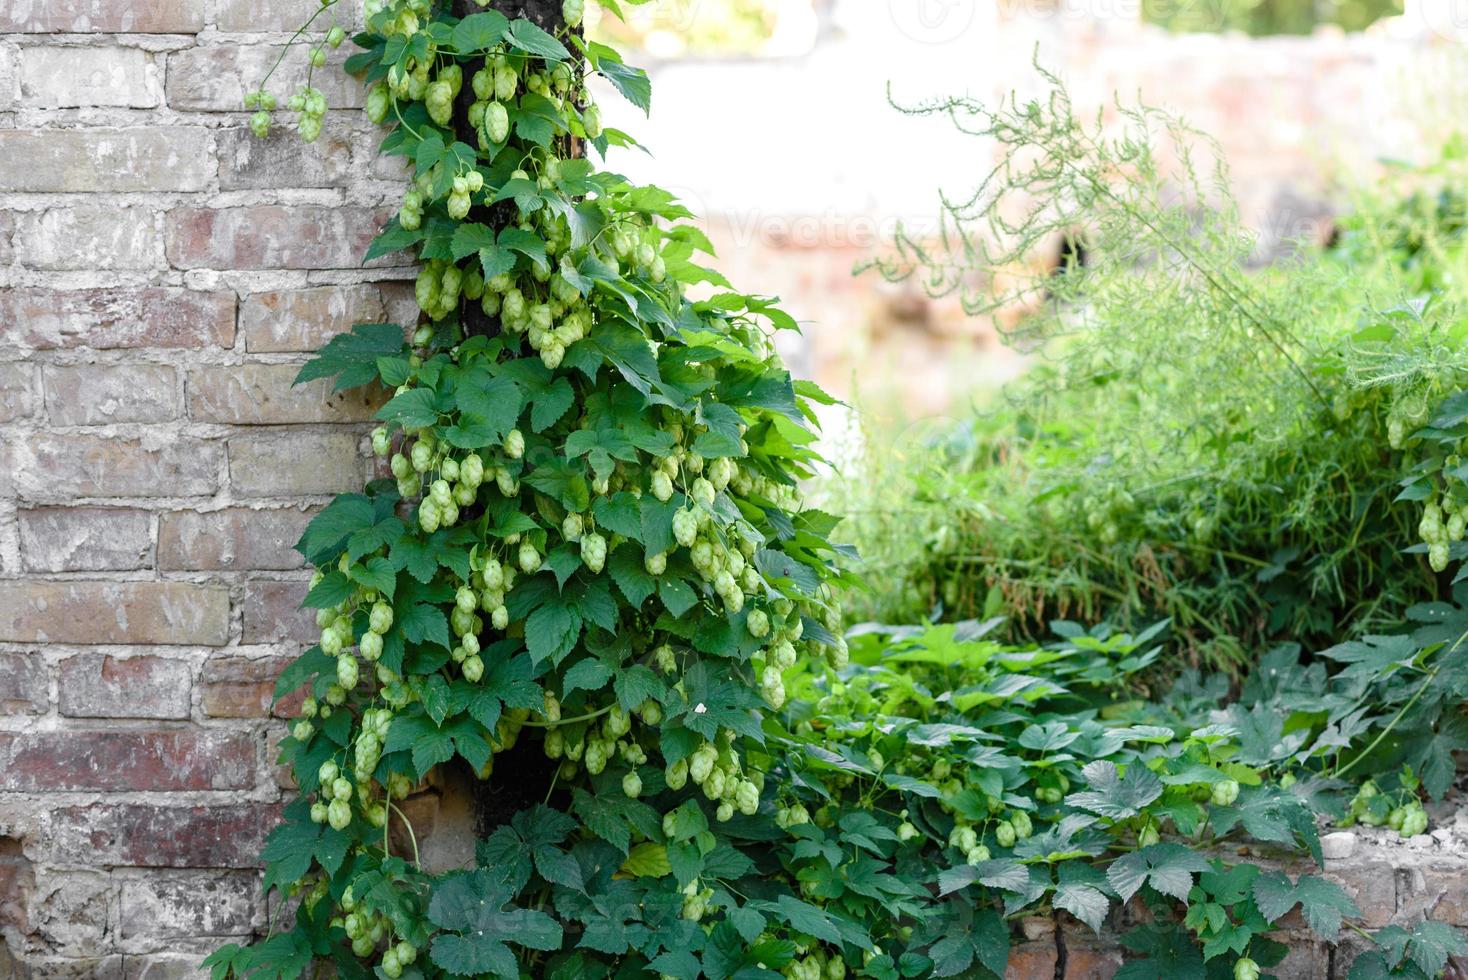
(774, 120)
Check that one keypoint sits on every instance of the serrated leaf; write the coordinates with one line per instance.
(1114, 795)
(1321, 902)
(479, 32)
(413, 409)
(631, 576)
(647, 860)
(637, 684)
(551, 631)
(589, 674)
(1086, 902)
(531, 39)
(1167, 867)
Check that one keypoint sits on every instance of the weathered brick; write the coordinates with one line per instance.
(272, 613)
(215, 77)
(58, 467)
(299, 320)
(166, 966)
(160, 316)
(96, 394)
(105, 967)
(24, 685)
(135, 613)
(293, 462)
(17, 882)
(74, 912)
(95, 685)
(270, 236)
(244, 687)
(147, 836)
(153, 158)
(173, 760)
(85, 539)
(247, 162)
(250, 16)
(17, 392)
(8, 84)
(1432, 893)
(53, 77)
(88, 238)
(165, 906)
(102, 16)
(7, 233)
(265, 394)
(1307, 959)
(237, 539)
(1371, 887)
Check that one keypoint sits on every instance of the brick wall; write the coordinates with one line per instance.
(162, 274)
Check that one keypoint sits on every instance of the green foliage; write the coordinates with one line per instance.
(1199, 439)
(592, 568)
(1267, 17)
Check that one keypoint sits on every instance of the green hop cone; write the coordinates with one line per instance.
(1225, 793)
(496, 122)
(1246, 969)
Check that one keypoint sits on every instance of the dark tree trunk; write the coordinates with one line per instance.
(547, 15)
(522, 776)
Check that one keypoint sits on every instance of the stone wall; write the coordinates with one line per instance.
(162, 275)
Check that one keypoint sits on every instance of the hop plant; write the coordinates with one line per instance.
(584, 548)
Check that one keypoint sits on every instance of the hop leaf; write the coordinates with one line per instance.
(1115, 795)
(1321, 902)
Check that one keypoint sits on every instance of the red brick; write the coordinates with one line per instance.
(18, 392)
(253, 16)
(50, 466)
(141, 835)
(1031, 961)
(7, 233)
(237, 539)
(24, 684)
(17, 880)
(270, 236)
(109, 967)
(88, 238)
(94, 685)
(301, 320)
(133, 613)
(244, 687)
(173, 760)
(214, 77)
(160, 909)
(159, 316)
(296, 461)
(98, 394)
(72, 913)
(247, 162)
(102, 16)
(85, 539)
(272, 613)
(152, 158)
(61, 76)
(265, 394)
